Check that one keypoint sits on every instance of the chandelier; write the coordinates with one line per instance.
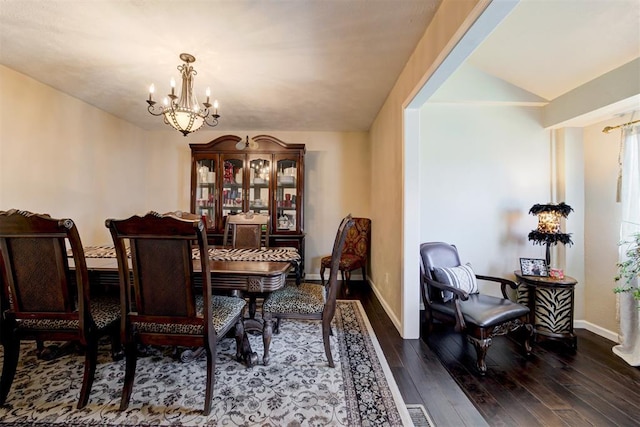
(184, 113)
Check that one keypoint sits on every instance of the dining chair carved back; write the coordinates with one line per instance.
(246, 230)
(43, 299)
(183, 215)
(308, 300)
(355, 252)
(162, 306)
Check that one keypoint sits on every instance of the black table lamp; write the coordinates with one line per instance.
(548, 231)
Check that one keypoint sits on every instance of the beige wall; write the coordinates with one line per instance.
(482, 168)
(73, 160)
(386, 137)
(61, 156)
(602, 223)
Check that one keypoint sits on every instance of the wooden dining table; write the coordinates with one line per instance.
(252, 279)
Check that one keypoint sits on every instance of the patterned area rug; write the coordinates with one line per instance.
(296, 389)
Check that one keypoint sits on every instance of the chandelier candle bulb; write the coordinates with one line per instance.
(173, 86)
(208, 93)
(152, 89)
(215, 107)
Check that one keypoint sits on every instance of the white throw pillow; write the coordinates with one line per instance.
(461, 277)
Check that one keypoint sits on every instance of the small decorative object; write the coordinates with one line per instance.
(203, 172)
(533, 267)
(228, 173)
(556, 273)
(548, 231)
(283, 222)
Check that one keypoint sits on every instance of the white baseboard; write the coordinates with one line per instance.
(386, 308)
(598, 330)
(578, 324)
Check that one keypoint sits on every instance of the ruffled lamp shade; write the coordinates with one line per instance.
(548, 231)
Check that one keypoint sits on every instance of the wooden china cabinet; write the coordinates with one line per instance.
(263, 175)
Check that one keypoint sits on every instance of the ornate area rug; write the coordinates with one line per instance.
(296, 389)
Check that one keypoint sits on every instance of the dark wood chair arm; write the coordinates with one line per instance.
(503, 283)
(458, 293)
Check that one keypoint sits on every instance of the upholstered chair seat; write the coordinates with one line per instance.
(307, 298)
(485, 310)
(104, 310)
(225, 311)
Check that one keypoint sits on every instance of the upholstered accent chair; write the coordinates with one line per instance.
(162, 306)
(45, 299)
(246, 230)
(308, 301)
(450, 293)
(355, 252)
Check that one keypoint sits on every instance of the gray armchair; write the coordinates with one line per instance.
(450, 293)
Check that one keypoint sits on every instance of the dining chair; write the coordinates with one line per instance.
(307, 300)
(183, 215)
(450, 293)
(163, 305)
(354, 254)
(43, 299)
(246, 230)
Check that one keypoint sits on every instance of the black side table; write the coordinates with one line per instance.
(551, 304)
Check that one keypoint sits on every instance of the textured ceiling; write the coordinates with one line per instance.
(277, 65)
(549, 47)
(318, 65)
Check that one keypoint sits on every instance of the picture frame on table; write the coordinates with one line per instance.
(534, 267)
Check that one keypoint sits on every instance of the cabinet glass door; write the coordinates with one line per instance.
(286, 194)
(232, 190)
(259, 173)
(206, 190)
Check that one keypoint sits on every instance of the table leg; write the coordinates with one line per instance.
(252, 306)
(267, 331)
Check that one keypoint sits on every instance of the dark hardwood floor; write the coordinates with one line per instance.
(553, 387)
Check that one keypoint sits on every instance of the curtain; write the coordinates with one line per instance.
(629, 313)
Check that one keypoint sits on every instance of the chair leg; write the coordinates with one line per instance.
(322, 274)
(211, 369)
(345, 281)
(117, 353)
(9, 366)
(131, 355)
(481, 345)
(90, 362)
(528, 337)
(326, 330)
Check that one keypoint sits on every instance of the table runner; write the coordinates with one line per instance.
(284, 254)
